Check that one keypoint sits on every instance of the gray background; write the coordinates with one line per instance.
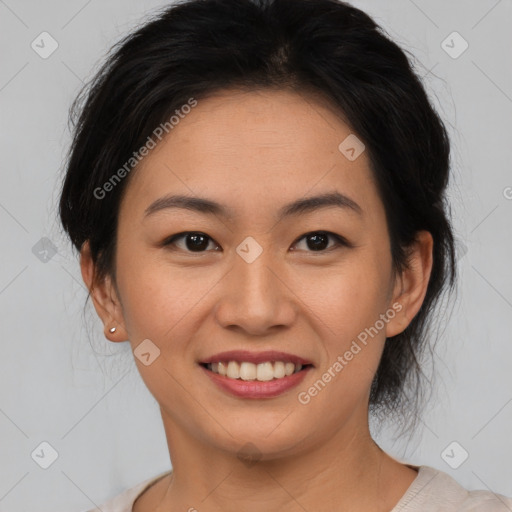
(63, 383)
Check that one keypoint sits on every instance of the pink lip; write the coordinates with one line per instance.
(256, 389)
(256, 357)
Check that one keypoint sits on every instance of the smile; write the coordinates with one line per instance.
(272, 380)
(247, 371)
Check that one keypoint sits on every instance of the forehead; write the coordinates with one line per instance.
(258, 126)
(254, 147)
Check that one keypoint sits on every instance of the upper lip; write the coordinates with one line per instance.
(256, 357)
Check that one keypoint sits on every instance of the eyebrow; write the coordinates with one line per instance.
(298, 207)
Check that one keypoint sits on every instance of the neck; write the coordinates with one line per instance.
(349, 472)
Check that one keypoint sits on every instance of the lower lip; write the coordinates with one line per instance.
(254, 388)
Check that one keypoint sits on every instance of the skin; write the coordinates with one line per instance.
(291, 298)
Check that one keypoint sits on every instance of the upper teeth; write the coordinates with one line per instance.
(250, 371)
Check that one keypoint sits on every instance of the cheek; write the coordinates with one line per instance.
(157, 306)
(350, 295)
(163, 302)
(353, 345)
(349, 303)
(153, 299)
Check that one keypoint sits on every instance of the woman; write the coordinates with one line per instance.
(257, 192)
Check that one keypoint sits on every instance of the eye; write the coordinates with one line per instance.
(194, 241)
(318, 241)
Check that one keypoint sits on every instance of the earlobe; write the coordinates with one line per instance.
(104, 298)
(411, 285)
(115, 333)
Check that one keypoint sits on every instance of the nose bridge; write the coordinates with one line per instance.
(254, 298)
(256, 279)
(252, 264)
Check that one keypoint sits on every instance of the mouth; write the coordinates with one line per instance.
(248, 371)
(247, 380)
(255, 375)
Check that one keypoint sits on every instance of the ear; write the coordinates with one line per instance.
(411, 285)
(104, 297)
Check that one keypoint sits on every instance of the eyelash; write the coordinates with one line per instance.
(340, 241)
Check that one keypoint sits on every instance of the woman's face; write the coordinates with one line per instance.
(255, 281)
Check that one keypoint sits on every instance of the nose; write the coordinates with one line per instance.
(256, 298)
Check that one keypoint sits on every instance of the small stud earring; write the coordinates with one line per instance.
(112, 330)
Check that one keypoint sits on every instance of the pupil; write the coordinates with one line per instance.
(196, 243)
(320, 241)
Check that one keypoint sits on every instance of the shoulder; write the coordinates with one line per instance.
(124, 502)
(435, 491)
(486, 501)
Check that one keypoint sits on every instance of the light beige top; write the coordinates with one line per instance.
(431, 491)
